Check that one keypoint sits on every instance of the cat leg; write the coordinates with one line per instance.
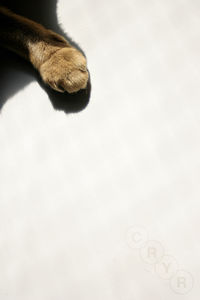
(60, 65)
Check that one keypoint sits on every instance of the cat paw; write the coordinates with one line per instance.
(65, 70)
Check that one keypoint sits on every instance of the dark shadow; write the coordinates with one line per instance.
(15, 73)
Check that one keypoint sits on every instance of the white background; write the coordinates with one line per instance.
(73, 185)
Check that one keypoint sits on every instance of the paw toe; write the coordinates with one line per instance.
(77, 80)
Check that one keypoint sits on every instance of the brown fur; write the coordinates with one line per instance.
(60, 65)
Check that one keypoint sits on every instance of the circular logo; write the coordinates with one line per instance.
(152, 252)
(167, 267)
(136, 237)
(182, 282)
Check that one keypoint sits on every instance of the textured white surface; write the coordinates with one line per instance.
(72, 186)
